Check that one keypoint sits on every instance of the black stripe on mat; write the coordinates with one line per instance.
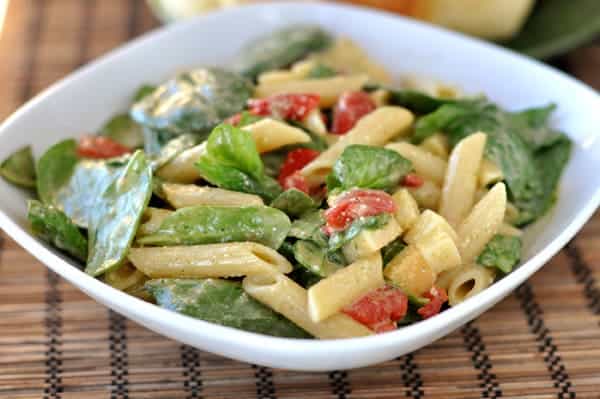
(481, 361)
(546, 346)
(53, 323)
(340, 384)
(583, 275)
(119, 384)
(265, 388)
(411, 377)
(192, 374)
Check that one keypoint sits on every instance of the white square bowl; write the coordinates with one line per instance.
(83, 101)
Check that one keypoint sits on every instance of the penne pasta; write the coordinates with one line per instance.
(286, 297)
(460, 183)
(376, 129)
(509, 230)
(153, 218)
(407, 209)
(427, 195)
(370, 241)
(439, 251)
(465, 282)
(426, 164)
(426, 223)
(298, 71)
(124, 277)
(482, 223)
(343, 287)
(184, 195)
(437, 144)
(328, 89)
(489, 173)
(314, 123)
(410, 272)
(380, 97)
(211, 260)
(182, 168)
(270, 134)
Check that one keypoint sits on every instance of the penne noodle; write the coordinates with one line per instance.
(286, 297)
(439, 251)
(376, 128)
(426, 164)
(437, 144)
(426, 223)
(369, 241)
(211, 260)
(509, 230)
(460, 183)
(427, 195)
(482, 223)
(153, 218)
(465, 282)
(330, 295)
(184, 195)
(182, 168)
(407, 209)
(410, 272)
(329, 89)
(489, 173)
(124, 277)
(380, 97)
(314, 123)
(270, 134)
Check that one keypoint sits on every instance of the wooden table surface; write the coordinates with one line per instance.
(541, 342)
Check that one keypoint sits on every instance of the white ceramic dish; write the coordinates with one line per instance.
(81, 102)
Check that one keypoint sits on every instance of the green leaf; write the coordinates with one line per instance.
(117, 214)
(247, 119)
(533, 126)
(54, 227)
(54, 169)
(390, 251)
(317, 259)
(193, 102)
(212, 224)
(416, 101)
(294, 202)
(231, 161)
(362, 166)
(221, 302)
(143, 91)
(339, 239)
(173, 148)
(307, 226)
(502, 252)
(19, 168)
(321, 71)
(280, 49)
(122, 129)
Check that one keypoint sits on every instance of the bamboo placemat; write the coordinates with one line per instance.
(541, 342)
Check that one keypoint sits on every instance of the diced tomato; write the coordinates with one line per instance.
(294, 161)
(437, 297)
(379, 309)
(99, 147)
(412, 180)
(294, 107)
(297, 181)
(234, 120)
(350, 107)
(355, 204)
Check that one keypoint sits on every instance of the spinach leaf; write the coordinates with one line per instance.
(19, 168)
(317, 259)
(212, 224)
(231, 161)
(339, 239)
(550, 162)
(54, 169)
(173, 148)
(122, 129)
(417, 101)
(502, 252)
(143, 91)
(362, 166)
(280, 49)
(221, 302)
(246, 118)
(307, 226)
(304, 277)
(533, 126)
(321, 71)
(193, 102)
(54, 227)
(116, 215)
(391, 250)
(294, 202)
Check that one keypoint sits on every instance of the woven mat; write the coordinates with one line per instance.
(541, 342)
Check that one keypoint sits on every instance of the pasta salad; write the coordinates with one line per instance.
(298, 192)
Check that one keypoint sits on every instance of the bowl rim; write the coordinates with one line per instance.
(122, 302)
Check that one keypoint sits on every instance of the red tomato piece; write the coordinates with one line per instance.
(437, 297)
(350, 107)
(296, 181)
(294, 161)
(412, 180)
(379, 309)
(99, 147)
(355, 204)
(294, 107)
(234, 120)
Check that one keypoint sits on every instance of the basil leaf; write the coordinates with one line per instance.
(212, 224)
(502, 252)
(54, 227)
(143, 91)
(280, 49)
(193, 102)
(362, 166)
(221, 302)
(390, 251)
(317, 259)
(339, 239)
(122, 129)
(307, 226)
(54, 169)
(116, 215)
(19, 168)
(294, 202)
(416, 101)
